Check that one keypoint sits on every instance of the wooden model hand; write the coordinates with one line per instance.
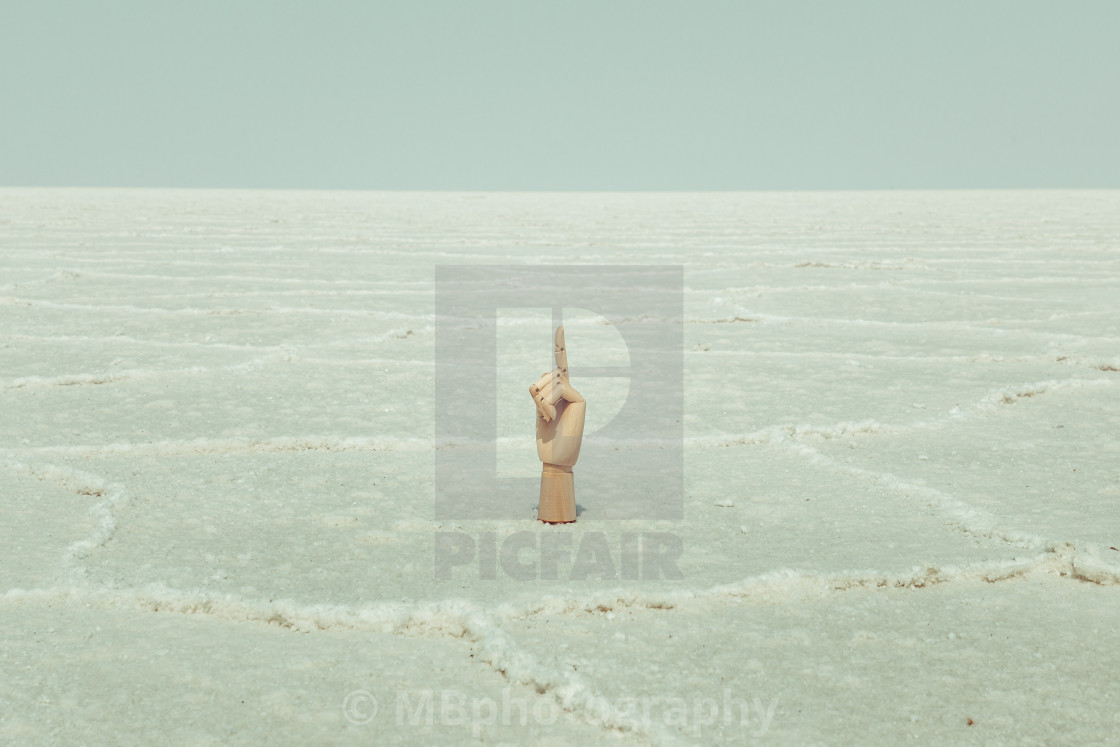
(560, 416)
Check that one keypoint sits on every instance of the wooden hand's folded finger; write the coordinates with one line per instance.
(554, 390)
(541, 397)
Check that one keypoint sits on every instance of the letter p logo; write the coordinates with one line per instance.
(631, 467)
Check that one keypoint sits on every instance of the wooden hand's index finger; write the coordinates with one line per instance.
(561, 353)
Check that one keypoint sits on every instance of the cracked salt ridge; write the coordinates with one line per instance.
(988, 403)
(95, 379)
(398, 333)
(117, 339)
(964, 517)
(380, 286)
(463, 620)
(904, 287)
(114, 498)
(455, 619)
(192, 311)
(1062, 559)
(460, 619)
(59, 275)
(996, 325)
(1101, 364)
(237, 446)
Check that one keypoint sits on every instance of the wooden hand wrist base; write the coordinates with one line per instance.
(558, 495)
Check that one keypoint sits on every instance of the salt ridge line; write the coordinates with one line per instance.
(457, 619)
(988, 403)
(136, 341)
(284, 355)
(350, 361)
(57, 275)
(129, 260)
(924, 264)
(114, 498)
(967, 518)
(193, 311)
(303, 293)
(112, 377)
(905, 281)
(207, 446)
(1080, 565)
(397, 333)
(371, 287)
(743, 316)
(1105, 364)
(1069, 359)
(901, 287)
(1059, 558)
(448, 617)
(454, 619)
(995, 326)
(390, 286)
(985, 326)
(963, 516)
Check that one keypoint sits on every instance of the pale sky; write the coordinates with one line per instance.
(567, 95)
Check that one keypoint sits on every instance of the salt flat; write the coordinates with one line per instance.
(902, 473)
